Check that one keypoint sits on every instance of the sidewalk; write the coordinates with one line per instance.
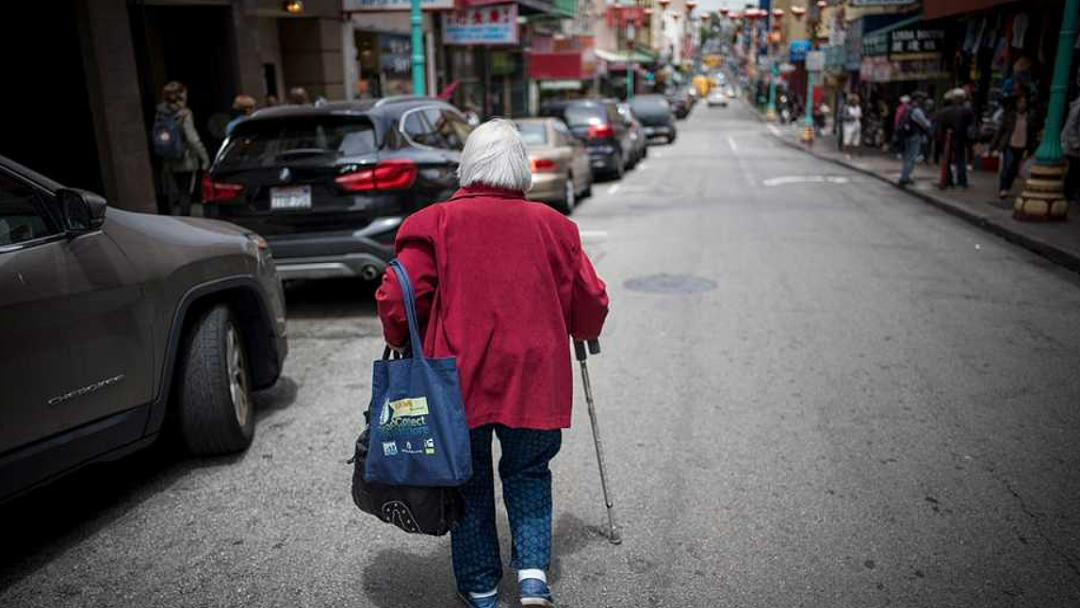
(979, 204)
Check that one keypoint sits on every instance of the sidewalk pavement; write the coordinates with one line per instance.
(978, 204)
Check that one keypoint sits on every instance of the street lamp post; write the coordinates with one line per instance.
(1043, 198)
(417, 48)
(631, 35)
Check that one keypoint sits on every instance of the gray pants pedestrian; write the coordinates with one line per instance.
(911, 151)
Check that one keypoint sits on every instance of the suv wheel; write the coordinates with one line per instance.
(569, 196)
(214, 393)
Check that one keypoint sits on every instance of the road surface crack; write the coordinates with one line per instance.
(1037, 520)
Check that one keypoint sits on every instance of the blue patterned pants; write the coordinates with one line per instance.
(526, 481)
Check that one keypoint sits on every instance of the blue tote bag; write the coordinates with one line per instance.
(419, 436)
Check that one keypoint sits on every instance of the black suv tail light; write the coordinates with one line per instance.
(213, 192)
(396, 174)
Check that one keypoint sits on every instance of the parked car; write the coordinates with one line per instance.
(655, 115)
(637, 134)
(328, 186)
(112, 321)
(717, 98)
(681, 103)
(560, 163)
(606, 135)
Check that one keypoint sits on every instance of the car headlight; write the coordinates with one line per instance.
(261, 249)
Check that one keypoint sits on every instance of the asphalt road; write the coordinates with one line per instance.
(815, 391)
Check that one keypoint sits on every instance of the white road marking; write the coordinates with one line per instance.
(775, 130)
(641, 165)
(734, 146)
(613, 189)
(803, 179)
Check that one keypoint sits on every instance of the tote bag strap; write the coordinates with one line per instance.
(410, 308)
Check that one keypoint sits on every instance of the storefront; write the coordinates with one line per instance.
(563, 71)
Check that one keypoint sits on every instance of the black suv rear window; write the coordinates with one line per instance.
(582, 115)
(650, 106)
(265, 143)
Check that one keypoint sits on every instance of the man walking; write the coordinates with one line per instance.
(954, 123)
(914, 126)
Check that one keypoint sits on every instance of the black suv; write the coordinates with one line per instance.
(328, 186)
(598, 123)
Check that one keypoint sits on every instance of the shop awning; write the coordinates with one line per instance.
(624, 57)
(564, 65)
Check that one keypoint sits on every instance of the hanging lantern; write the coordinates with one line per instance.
(822, 4)
(778, 13)
(663, 4)
(690, 6)
(724, 11)
(798, 11)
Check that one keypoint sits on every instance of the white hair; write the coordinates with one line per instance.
(495, 156)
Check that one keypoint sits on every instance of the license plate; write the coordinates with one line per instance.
(291, 197)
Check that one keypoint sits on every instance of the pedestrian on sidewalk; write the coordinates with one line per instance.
(180, 170)
(242, 107)
(1015, 140)
(500, 283)
(953, 124)
(901, 108)
(914, 129)
(852, 127)
(298, 96)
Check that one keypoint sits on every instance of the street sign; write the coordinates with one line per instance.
(815, 61)
(487, 25)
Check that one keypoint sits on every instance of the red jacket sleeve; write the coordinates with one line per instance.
(588, 301)
(415, 247)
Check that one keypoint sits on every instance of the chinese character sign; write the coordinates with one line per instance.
(494, 24)
(915, 43)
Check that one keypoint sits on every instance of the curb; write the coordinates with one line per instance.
(1055, 254)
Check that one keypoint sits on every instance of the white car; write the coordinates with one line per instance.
(717, 98)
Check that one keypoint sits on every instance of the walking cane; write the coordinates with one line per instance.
(579, 350)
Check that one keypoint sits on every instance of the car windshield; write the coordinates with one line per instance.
(265, 143)
(649, 106)
(533, 133)
(577, 116)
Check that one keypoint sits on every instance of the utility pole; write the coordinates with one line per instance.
(631, 39)
(418, 72)
(1043, 198)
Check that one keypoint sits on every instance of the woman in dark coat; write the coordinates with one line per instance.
(501, 284)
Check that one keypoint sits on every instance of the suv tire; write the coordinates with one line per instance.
(214, 393)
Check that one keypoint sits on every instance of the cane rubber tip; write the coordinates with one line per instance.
(615, 538)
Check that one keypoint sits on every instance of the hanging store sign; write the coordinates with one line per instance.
(916, 43)
(366, 6)
(489, 25)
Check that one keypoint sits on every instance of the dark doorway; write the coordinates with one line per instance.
(191, 44)
(45, 118)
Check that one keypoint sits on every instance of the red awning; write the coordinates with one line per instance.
(936, 9)
(568, 65)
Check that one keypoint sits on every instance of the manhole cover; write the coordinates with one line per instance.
(670, 283)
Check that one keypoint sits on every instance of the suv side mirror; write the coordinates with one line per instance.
(81, 210)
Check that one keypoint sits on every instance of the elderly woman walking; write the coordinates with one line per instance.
(501, 283)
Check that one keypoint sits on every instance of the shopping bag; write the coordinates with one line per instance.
(416, 510)
(419, 436)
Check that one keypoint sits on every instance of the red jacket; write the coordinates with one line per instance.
(501, 283)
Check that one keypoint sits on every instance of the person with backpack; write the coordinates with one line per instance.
(914, 128)
(507, 320)
(177, 143)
